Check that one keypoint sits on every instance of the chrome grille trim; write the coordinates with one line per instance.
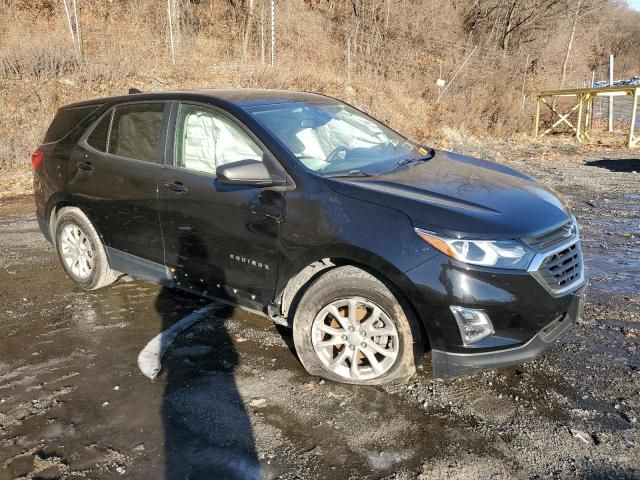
(560, 269)
(555, 237)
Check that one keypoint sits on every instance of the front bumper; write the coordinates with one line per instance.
(454, 364)
(526, 317)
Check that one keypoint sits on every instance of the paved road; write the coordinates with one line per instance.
(232, 400)
(622, 107)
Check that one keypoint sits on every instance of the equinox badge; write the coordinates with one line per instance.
(248, 261)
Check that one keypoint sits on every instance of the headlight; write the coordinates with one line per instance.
(500, 253)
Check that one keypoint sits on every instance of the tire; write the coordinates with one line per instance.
(343, 288)
(92, 270)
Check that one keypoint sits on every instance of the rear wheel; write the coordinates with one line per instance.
(349, 327)
(81, 251)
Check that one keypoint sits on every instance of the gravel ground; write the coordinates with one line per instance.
(232, 400)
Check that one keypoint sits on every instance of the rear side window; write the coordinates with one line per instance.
(100, 134)
(67, 119)
(135, 131)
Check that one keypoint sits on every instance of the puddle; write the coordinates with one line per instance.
(364, 432)
(611, 248)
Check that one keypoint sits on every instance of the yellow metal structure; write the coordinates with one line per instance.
(584, 105)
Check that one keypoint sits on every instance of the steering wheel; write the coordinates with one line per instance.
(335, 152)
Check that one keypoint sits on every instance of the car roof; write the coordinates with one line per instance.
(239, 97)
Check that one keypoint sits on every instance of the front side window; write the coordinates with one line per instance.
(135, 131)
(206, 139)
(330, 137)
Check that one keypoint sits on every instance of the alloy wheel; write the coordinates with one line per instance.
(355, 339)
(76, 251)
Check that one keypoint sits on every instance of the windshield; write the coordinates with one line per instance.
(331, 138)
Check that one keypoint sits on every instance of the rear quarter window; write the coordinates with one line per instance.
(98, 138)
(67, 119)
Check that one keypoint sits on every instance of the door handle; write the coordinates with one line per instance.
(85, 166)
(176, 187)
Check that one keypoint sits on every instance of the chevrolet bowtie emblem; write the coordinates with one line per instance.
(569, 231)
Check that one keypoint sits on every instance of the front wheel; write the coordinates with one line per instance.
(349, 327)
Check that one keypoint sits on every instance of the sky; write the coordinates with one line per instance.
(635, 4)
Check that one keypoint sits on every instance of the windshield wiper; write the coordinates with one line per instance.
(408, 161)
(403, 163)
(352, 173)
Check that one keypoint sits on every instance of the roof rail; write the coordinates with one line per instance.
(134, 90)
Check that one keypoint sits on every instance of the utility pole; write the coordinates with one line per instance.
(273, 32)
(610, 97)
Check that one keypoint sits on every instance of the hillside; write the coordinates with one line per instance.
(383, 56)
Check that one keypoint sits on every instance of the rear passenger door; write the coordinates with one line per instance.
(114, 172)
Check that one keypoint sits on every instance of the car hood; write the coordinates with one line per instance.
(462, 196)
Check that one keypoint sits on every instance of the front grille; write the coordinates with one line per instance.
(559, 265)
(560, 270)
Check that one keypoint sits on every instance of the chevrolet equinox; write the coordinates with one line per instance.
(304, 209)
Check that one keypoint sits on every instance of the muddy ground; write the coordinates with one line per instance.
(232, 401)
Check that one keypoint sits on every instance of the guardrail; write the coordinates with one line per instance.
(584, 107)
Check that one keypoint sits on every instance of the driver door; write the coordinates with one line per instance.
(220, 239)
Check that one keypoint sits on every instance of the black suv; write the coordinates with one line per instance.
(305, 210)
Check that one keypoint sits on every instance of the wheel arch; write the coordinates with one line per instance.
(54, 205)
(291, 292)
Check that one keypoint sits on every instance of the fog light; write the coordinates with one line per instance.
(474, 325)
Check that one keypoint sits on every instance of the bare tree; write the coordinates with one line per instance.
(73, 22)
(249, 14)
(572, 34)
(501, 22)
(170, 19)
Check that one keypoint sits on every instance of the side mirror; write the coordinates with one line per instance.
(248, 172)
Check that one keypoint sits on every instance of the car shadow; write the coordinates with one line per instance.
(207, 430)
(625, 165)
